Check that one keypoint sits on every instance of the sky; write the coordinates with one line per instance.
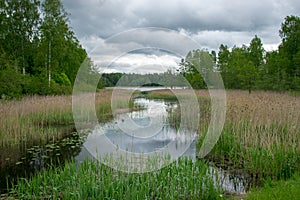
(117, 36)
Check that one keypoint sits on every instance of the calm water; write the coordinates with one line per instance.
(139, 135)
(138, 132)
(151, 133)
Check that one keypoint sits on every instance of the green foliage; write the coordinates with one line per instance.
(37, 43)
(20, 23)
(10, 84)
(167, 79)
(61, 79)
(35, 85)
(183, 179)
(280, 190)
(197, 68)
(251, 68)
(256, 52)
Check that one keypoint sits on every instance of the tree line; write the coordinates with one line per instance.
(246, 67)
(39, 52)
(167, 78)
(251, 67)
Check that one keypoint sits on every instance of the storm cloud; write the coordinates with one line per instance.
(209, 23)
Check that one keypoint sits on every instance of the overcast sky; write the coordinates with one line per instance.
(209, 23)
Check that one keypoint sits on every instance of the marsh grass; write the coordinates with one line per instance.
(37, 120)
(260, 137)
(279, 190)
(92, 180)
(162, 94)
(261, 134)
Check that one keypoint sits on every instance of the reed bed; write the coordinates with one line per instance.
(260, 138)
(39, 119)
(91, 180)
(261, 134)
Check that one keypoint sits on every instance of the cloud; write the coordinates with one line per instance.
(105, 18)
(145, 48)
(209, 23)
(143, 60)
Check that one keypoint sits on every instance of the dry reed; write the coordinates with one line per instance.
(38, 119)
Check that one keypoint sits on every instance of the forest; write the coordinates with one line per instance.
(40, 54)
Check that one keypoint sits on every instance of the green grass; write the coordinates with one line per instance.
(260, 135)
(180, 180)
(260, 164)
(168, 96)
(279, 190)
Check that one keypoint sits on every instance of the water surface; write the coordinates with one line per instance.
(139, 132)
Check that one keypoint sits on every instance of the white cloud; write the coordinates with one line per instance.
(136, 63)
(209, 23)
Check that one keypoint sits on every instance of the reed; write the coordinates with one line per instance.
(39, 119)
(261, 134)
(92, 180)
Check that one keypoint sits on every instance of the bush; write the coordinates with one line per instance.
(61, 79)
(10, 84)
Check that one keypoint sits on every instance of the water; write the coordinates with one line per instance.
(139, 136)
(138, 132)
(151, 132)
(232, 182)
(39, 157)
(147, 89)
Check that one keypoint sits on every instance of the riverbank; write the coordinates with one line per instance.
(279, 190)
(181, 180)
(261, 135)
(32, 122)
(260, 140)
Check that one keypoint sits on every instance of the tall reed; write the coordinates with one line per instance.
(38, 119)
(92, 180)
(261, 134)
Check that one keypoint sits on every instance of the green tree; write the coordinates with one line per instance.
(36, 40)
(256, 52)
(275, 75)
(21, 22)
(222, 64)
(197, 68)
(56, 37)
(247, 74)
(257, 58)
(290, 47)
(10, 83)
(236, 66)
(2, 22)
(290, 35)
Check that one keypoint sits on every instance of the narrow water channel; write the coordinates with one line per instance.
(158, 110)
(153, 133)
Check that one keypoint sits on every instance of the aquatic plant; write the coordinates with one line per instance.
(260, 135)
(91, 180)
